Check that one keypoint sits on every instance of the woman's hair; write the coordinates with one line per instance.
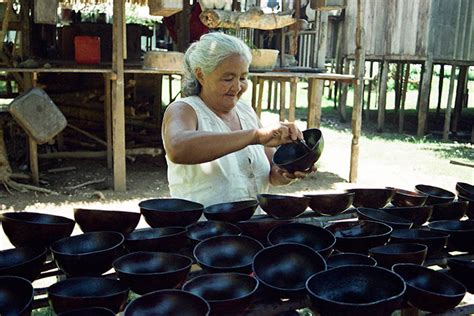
(207, 54)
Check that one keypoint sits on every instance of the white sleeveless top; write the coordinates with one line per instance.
(234, 177)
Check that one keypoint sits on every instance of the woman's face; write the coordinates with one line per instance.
(223, 87)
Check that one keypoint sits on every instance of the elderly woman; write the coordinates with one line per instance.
(216, 149)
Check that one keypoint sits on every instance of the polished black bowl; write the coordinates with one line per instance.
(89, 254)
(450, 210)
(349, 258)
(93, 220)
(163, 239)
(282, 206)
(226, 293)
(164, 212)
(461, 233)
(227, 253)
(465, 189)
(405, 198)
(259, 226)
(90, 311)
(434, 240)
(356, 290)
(317, 238)
(463, 271)
(77, 293)
(168, 302)
(284, 268)
(16, 296)
(470, 207)
(378, 215)
(371, 197)
(430, 290)
(436, 195)
(24, 262)
(28, 229)
(205, 229)
(231, 211)
(330, 204)
(146, 272)
(416, 214)
(391, 254)
(359, 236)
(296, 156)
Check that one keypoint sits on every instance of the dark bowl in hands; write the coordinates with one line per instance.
(434, 240)
(461, 233)
(391, 254)
(465, 189)
(168, 302)
(283, 269)
(356, 290)
(94, 220)
(405, 198)
(24, 262)
(166, 212)
(359, 236)
(77, 293)
(416, 214)
(298, 157)
(463, 271)
(227, 253)
(206, 229)
(16, 296)
(372, 197)
(231, 211)
(162, 239)
(349, 258)
(226, 293)
(378, 215)
(436, 195)
(330, 204)
(88, 254)
(450, 210)
(29, 229)
(146, 272)
(430, 290)
(282, 206)
(317, 238)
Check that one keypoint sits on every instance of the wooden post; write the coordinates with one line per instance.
(401, 114)
(419, 86)
(358, 92)
(382, 97)
(33, 154)
(398, 77)
(314, 102)
(424, 97)
(254, 91)
(118, 98)
(261, 82)
(183, 20)
(282, 100)
(369, 92)
(440, 88)
(108, 118)
(275, 95)
(269, 96)
(461, 87)
(343, 96)
(292, 109)
(447, 114)
(157, 96)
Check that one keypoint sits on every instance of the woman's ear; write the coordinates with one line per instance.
(199, 75)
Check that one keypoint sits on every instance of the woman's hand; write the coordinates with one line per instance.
(275, 136)
(282, 177)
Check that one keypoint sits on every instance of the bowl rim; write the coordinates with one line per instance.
(64, 220)
(71, 238)
(360, 222)
(119, 260)
(56, 292)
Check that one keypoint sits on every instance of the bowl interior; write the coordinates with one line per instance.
(16, 295)
(88, 243)
(312, 236)
(358, 229)
(206, 229)
(344, 259)
(144, 263)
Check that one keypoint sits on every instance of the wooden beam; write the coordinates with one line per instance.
(118, 98)
(261, 85)
(382, 97)
(292, 109)
(461, 88)
(358, 91)
(108, 118)
(282, 100)
(424, 97)
(447, 114)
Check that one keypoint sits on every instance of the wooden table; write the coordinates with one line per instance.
(315, 90)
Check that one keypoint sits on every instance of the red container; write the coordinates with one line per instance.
(87, 49)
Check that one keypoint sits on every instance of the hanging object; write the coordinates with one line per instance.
(46, 11)
(165, 7)
(326, 5)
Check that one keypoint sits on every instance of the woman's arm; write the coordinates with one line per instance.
(184, 144)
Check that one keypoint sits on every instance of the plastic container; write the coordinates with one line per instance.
(87, 49)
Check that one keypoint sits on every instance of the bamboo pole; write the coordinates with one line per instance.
(424, 97)
(382, 97)
(358, 92)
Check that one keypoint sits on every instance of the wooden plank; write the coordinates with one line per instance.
(440, 88)
(424, 97)
(282, 101)
(33, 155)
(382, 97)
(118, 98)
(343, 96)
(447, 114)
(315, 101)
(255, 80)
(108, 118)
(422, 29)
(292, 109)
(261, 86)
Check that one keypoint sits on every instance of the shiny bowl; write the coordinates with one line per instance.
(436, 195)
(461, 233)
(416, 214)
(231, 211)
(371, 197)
(388, 255)
(282, 206)
(163, 239)
(379, 215)
(166, 212)
(16, 296)
(435, 241)
(405, 198)
(330, 204)
(93, 220)
(24, 262)
(349, 258)
(206, 229)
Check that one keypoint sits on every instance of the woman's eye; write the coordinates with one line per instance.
(243, 79)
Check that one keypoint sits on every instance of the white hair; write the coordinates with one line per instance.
(207, 54)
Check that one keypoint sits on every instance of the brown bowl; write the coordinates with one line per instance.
(163, 239)
(349, 258)
(227, 253)
(232, 211)
(450, 210)
(371, 197)
(16, 296)
(405, 198)
(391, 254)
(23, 262)
(436, 195)
(206, 229)
(282, 206)
(379, 215)
(416, 214)
(330, 204)
(93, 220)
(166, 212)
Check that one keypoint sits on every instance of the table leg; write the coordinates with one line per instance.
(33, 152)
(254, 91)
(315, 95)
(282, 101)
(157, 99)
(292, 110)
(261, 82)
